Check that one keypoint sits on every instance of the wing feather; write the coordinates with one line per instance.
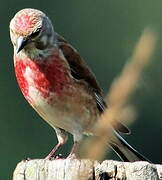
(80, 70)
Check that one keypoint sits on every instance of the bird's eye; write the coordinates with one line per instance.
(35, 33)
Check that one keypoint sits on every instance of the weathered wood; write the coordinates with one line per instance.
(66, 169)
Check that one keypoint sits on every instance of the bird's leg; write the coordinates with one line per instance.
(72, 154)
(77, 139)
(62, 138)
(53, 152)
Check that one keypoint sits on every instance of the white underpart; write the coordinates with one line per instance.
(54, 115)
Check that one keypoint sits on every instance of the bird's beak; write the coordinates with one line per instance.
(21, 43)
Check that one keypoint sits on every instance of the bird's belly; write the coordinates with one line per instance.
(72, 111)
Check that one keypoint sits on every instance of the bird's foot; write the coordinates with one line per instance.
(54, 157)
(52, 154)
(26, 159)
(59, 156)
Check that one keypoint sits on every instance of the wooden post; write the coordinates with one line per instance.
(66, 169)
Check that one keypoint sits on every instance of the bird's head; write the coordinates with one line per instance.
(31, 30)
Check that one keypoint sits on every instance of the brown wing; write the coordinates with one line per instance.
(80, 70)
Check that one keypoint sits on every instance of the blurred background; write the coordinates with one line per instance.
(105, 33)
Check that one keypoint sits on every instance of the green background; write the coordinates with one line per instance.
(104, 32)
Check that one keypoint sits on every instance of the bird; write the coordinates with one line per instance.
(59, 85)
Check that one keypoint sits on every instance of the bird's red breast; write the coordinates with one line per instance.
(57, 97)
(47, 76)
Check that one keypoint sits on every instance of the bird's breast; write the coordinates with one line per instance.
(55, 95)
(42, 78)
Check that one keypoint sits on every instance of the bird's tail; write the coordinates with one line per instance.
(126, 152)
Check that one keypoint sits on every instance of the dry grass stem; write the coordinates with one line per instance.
(124, 86)
(119, 95)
